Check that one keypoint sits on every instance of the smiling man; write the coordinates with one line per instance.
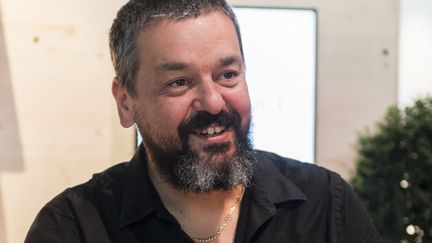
(190, 102)
(180, 77)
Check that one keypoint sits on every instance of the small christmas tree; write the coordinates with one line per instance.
(394, 174)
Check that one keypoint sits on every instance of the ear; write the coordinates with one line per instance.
(124, 104)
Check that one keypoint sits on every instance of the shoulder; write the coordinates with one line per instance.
(107, 180)
(67, 215)
(327, 196)
(321, 188)
(304, 175)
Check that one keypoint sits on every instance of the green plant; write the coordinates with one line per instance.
(394, 174)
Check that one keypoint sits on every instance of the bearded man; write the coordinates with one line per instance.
(180, 77)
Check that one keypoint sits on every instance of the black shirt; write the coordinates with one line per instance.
(287, 201)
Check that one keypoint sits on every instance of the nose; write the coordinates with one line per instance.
(209, 98)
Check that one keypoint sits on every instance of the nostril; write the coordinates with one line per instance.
(212, 104)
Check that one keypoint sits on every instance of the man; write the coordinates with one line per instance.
(180, 77)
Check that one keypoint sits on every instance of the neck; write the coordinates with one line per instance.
(200, 215)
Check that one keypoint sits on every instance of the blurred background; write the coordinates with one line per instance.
(339, 65)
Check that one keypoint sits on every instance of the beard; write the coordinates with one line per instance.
(212, 168)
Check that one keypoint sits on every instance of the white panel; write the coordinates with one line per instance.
(280, 53)
(415, 74)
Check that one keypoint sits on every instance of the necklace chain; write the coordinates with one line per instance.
(224, 223)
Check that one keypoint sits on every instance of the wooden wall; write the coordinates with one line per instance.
(57, 119)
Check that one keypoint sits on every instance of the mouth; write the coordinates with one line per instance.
(210, 131)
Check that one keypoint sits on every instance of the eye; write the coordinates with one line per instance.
(228, 78)
(177, 86)
(229, 75)
(178, 82)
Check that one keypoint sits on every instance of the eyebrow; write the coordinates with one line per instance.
(178, 66)
(171, 66)
(229, 60)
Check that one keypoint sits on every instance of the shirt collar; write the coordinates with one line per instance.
(139, 196)
(270, 187)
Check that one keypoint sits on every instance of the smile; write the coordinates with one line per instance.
(211, 131)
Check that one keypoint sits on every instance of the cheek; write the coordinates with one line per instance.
(156, 120)
(160, 127)
(239, 100)
(171, 114)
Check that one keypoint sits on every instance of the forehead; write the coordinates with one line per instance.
(192, 37)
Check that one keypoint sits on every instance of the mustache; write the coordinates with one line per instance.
(204, 119)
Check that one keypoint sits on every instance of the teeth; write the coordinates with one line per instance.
(212, 130)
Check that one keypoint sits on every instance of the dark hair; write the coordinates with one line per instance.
(137, 14)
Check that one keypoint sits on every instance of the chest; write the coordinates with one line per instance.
(286, 224)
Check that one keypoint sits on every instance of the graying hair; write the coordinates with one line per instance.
(134, 16)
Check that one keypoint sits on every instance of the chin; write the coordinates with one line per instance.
(217, 153)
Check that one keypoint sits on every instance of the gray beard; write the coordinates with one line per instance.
(185, 170)
(196, 175)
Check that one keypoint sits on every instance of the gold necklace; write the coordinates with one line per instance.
(224, 223)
